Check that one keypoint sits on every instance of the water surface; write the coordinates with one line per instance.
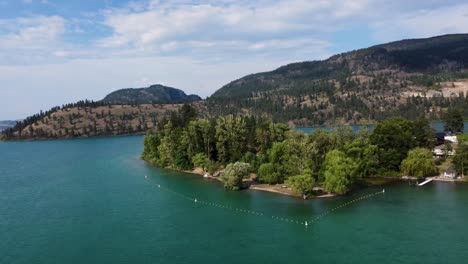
(88, 201)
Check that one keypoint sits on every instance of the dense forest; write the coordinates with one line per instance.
(335, 161)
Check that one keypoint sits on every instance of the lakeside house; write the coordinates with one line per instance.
(445, 145)
(451, 139)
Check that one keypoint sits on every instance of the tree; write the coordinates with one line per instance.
(339, 171)
(231, 134)
(365, 155)
(424, 134)
(453, 121)
(419, 163)
(268, 174)
(320, 142)
(302, 184)
(201, 160)
(394, 137)
(233, 175)
(151, 144)
(460, 159)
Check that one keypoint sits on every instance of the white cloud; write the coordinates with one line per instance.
(30, 39)
(161, 21)
(423, 23)
(43, 86)
(195, 45)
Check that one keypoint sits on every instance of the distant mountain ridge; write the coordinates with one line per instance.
(153, 94)
(406, 78)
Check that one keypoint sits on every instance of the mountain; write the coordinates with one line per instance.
(407, 77)
(153, 94)
(90, 119)
(6, 124)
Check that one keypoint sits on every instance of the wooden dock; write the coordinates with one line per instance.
(425, 182)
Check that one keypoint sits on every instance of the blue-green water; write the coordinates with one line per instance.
(87, 201)
(437, 126)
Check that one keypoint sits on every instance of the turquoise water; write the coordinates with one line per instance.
(88, 201)
(437, 126)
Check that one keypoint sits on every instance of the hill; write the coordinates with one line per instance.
(89, 119)
(407, 78)
(153, 94)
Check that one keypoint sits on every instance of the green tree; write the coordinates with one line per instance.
(423, 133)
(365, 155)
(268, 174)
(460, 159)
(201, 160)
(302, 184)
(419, 163)
(339, 171)
(278, 156)
(296, 150)
(231, 134)
(394, 137)
(453, 121)
(151, 143)
(233, 175)
(320, 142)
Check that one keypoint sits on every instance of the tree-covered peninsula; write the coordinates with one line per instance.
(239, 147)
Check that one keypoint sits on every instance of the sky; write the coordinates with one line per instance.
(60, 51)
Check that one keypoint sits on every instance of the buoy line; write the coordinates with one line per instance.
(317, 218)
(257, 213)
(229, 208)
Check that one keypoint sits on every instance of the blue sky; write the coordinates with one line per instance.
(55, 51)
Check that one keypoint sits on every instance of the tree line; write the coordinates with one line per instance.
(335, 161)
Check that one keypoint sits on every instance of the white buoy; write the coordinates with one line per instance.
(383, 191)
(306, 224)
(159, 186)
(196, 200)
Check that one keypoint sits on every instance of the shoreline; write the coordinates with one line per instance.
(279, 189)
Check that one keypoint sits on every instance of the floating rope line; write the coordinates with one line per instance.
(317, 218)
(257, 213)
(228, 207)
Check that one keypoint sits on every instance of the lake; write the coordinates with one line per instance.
(88, 201)
(437, 126)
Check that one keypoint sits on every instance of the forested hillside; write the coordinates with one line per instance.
(409, 78)
(153, 94)
(88, 119)
(405, 78)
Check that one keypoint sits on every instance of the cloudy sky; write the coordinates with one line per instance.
(56, 51)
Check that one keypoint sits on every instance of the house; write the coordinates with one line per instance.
(441, 151)
(451, 139)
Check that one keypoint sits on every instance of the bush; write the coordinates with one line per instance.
(267, 174)
(233, 175)
(200, 160)
(302, 184)
(419, 163)
(213, 167)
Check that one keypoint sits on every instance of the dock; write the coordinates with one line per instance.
(425, 182)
